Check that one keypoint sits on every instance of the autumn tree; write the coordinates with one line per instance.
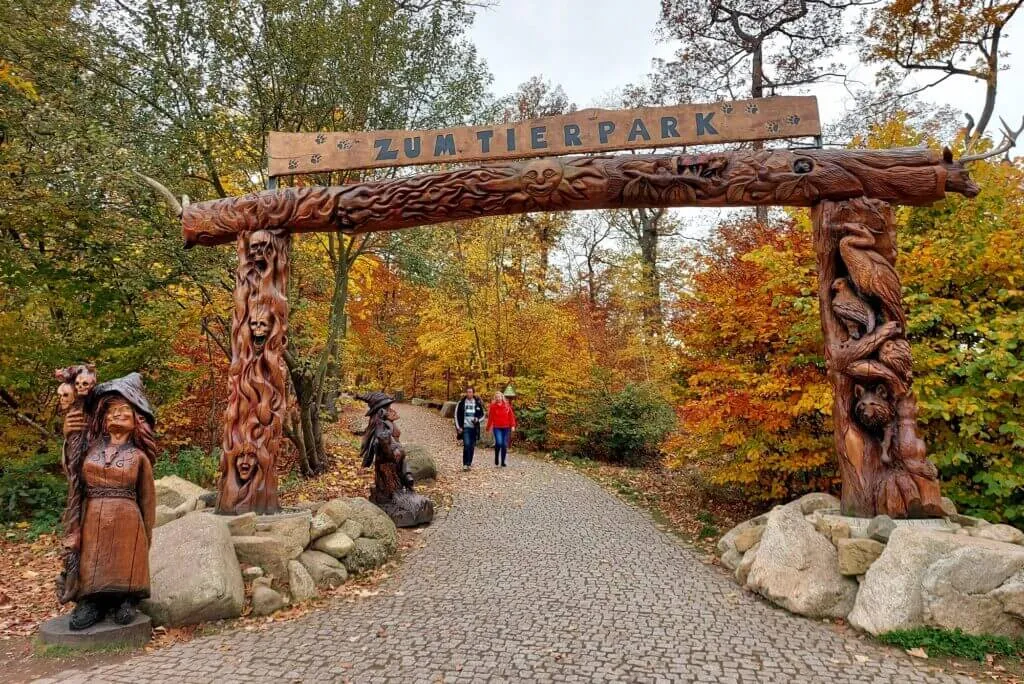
(939, 40)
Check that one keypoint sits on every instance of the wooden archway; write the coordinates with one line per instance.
(882, 459)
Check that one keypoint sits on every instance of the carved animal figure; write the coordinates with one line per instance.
(896, 355)
(874, 410)
(871, 272)
(853, 311)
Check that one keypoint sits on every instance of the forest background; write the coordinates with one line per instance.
(627, 337)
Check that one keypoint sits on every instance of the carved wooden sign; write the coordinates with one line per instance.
(588, 130)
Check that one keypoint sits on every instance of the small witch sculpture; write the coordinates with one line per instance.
(392, 484)
(111, 508)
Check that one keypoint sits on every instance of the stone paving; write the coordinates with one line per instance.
(535, 574)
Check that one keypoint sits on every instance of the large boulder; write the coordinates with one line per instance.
(264, 599)
(300, 583)
(857, 555)
(325, 570)
(375, 523)
(321, 524)
(448, 409)
(366, 555)
(1003, 533)
(798, 569)
(337, 510)
(172, 491)
(351, 529)
(336, 544)
(816, 501)
(932, 578)
(728, 540)
(270, 553)
(292, 528)
(420, 463)
(194, 574)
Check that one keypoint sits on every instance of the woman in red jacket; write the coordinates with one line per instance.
(502, 421)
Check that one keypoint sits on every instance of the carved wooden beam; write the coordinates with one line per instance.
(765, 177)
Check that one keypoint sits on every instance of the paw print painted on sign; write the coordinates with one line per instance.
(772, 126)
(727, 108)
(320, 138)
(792, 119)
(344, 144)
(293, 163)
(752, 108)
(315, 158)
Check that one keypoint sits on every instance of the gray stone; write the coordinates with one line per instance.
(104, 635)
(321, 524)
(448, 409)
(311, 506)
(300, 583)
(880, 527)
(748, 538)
(809, 503)
(194, 574)
(366, 555)
(1000, 533)
(929, 577)
(728, 540)
(293, 528)
(840, 530)
(743, 568)
(731, 558)
(969, 521)
(262, 582)
(353, 529)
(187, 506)
(243, 525)
(336, 544)
(948, 507)
(164, 515)
(409, 509)
(857, 555)
(172, 491)
(325, 570)
(798, 569)
(270, 553)
(339, 510)
(420, 463)
(266, 601)
(252, 572)
(375, 523)
(956, 590)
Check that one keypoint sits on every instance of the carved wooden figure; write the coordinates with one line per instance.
(111, 507)
(257, 389)
(392, 484)
(882, 460)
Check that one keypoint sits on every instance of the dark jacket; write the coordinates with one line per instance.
(459, 410)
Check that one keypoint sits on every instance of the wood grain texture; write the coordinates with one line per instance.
(882, 459)
(766, 177)
(588, 130)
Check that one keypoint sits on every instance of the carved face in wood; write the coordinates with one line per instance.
(246, 464)
(542, 177)
(84, 382)
(874, 408)
(259, 326)
(65, 396)
(120, 418)
(261, 249)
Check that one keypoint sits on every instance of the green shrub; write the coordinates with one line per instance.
(532, 426)
(941, 642)
(623, 427)
(192, 464)
(32, 490)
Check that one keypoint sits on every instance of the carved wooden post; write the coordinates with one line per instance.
(881, 458)
(256, 380)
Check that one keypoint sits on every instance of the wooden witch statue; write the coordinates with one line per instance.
(111, 508)
(392, 483)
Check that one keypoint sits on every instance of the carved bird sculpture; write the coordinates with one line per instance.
(871, 273)
(853, 311)
(896, 355)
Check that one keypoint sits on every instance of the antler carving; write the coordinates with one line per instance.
(1008, 142)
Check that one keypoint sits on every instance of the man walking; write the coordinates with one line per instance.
(468, 413)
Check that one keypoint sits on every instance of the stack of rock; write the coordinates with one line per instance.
(200, 562)
(882, 574)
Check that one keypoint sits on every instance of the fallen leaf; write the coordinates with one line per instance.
(917, 652)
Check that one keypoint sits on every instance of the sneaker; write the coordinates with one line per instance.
(503, 465)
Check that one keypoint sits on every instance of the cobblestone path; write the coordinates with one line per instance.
(535, 574)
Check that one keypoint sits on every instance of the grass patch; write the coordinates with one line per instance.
(59, 651)
(956, 644)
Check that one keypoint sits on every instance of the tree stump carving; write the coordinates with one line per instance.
(881, 457)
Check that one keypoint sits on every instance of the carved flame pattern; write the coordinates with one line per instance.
(257, 390)
(767, 177)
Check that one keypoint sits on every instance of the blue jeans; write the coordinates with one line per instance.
(468, 444)
(501, 436)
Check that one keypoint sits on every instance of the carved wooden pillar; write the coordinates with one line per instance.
(257, 387)
(881, 458)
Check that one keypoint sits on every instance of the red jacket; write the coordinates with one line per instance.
(500, 415)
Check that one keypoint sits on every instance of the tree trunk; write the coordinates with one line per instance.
(757, 90)
(882, 460)
(648, 240)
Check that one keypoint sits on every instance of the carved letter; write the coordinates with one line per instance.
(384, 150)
(704, 126)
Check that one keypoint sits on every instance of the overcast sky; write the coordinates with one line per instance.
(593, 47)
